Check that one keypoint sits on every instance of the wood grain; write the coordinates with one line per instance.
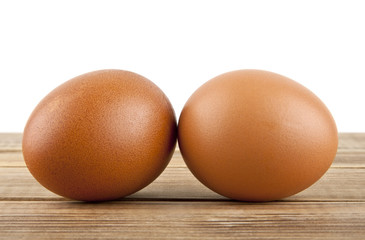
(177, 206)
(183, 220)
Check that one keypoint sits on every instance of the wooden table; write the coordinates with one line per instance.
(177, 206)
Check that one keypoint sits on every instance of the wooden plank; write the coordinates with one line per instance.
(176, 182)
(181, 220)
(10, 141)
(11, 159)
(349, 160)
(351, 141)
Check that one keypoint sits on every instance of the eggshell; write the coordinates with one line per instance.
(100, 136)
(254, 135)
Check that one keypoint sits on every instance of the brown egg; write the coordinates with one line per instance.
(254, 135)
(100, 136)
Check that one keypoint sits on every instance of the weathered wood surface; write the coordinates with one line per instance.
(177, 206)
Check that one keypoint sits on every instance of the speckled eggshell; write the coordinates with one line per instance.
(254, 135)
(100, 136)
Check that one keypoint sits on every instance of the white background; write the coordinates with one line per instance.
(181, 44)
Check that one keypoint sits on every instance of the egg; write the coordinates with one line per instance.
(100, 136)
(254, 135)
